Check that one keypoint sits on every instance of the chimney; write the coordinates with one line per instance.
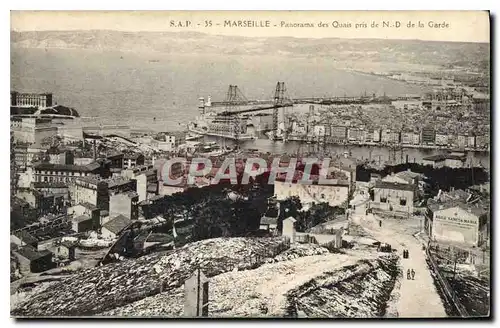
(94, 151)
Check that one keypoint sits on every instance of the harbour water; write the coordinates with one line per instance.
(371, 153)
(127, 89)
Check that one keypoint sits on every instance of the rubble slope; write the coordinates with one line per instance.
(260, 292)
(96, 290)
(357, 291)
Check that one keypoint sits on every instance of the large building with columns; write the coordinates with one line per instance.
(42, 100)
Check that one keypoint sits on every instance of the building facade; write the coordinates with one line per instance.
(428, 136)
(393, 197)
(126, 204)
(32, 130)
(334, 195)
(461, 224)
(147, 180)
(133, 160)
(46, 172)
(42, 100)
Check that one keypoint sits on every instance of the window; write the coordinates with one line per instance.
(383, 199)
(44, 179)
(322, 196)
(402, 201)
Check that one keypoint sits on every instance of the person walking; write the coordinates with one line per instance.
(412, 274)
(408, 274)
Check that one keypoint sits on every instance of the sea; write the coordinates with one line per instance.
(159, 92)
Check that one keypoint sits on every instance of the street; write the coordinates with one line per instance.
(419, 297)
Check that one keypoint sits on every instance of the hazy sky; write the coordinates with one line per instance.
(466, 26)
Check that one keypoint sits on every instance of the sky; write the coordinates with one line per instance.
(460, 26)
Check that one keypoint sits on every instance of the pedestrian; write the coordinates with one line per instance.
(408, 274)
(380, 223)
(407, 253)
(412, 274)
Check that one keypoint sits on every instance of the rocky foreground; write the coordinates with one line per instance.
(303, 274)
(96, 290)
(245, 293)
(303, 280)
(362, 290)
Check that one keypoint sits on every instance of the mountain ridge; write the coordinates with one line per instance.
(192, 42)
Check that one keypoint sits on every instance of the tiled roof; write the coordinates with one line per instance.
(117, 224)
(88, 206)
(25, 237)
(30, 253)
(394, 186)
(132, 156)
(268, 220)
(67, 167)
(81, 218)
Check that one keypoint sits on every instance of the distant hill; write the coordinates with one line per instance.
(410, 51)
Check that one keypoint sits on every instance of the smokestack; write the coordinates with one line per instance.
(94, 151)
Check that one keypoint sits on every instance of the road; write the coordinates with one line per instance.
(418, 298)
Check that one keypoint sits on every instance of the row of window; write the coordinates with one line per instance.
(314, 195)
(402, 201)
(53, 179)
(68, 173)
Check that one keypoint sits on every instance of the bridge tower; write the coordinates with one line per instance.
(280, 100)
(234, 97)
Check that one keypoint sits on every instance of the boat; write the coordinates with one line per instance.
(211, 149)
(272, 137)
(193, 136)
(218, 125)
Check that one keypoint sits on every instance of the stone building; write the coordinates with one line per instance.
(32, 130)
(393, 198)
(126, 204)
(457, 222)
(67, 173)
(18, 99)
(32, 260)
(333, 194)
(146, 177)
(115, 226)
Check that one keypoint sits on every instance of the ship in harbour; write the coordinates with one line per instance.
(210, 123)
